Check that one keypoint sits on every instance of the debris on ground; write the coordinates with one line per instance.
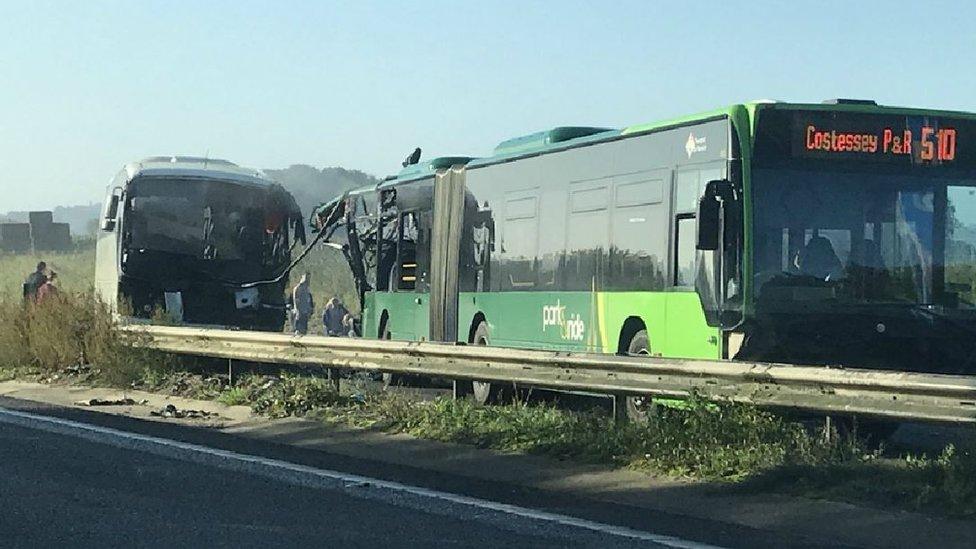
(107, 402)
(171, 411)
(78, 370)
(188, 385)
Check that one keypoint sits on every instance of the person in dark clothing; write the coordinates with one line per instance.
(34, 281)
(819, 260)
(333, 316)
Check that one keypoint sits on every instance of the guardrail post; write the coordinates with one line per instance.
(333, 377)
(619, 403)
(461, 389)
(230, 372)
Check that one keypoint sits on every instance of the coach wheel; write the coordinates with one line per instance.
(487, 392)
(639, 408)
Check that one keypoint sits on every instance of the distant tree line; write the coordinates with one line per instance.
(311, 186)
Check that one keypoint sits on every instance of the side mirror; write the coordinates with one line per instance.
(108, 221)
(710, 214)
(111, 210)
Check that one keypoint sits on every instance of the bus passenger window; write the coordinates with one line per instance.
(406, 268)
(684, 251)
(520, 240)
(686, 191)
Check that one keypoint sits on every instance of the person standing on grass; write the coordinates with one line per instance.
(48, 289)
(332, 318)
(34, 281)
(303, 304)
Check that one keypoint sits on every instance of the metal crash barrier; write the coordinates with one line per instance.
(898, 395)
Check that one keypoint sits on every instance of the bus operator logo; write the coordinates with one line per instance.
(695, 144)
(572, 329)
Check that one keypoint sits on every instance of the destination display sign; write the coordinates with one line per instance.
(910, 140)
(928, 143)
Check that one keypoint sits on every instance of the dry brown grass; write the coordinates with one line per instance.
(71, 330)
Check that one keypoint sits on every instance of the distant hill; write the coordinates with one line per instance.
(311, 186)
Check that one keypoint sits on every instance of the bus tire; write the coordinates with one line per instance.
(487, 392)
(639, 408)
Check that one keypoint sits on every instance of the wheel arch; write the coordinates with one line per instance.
(477, 319)
(632, 325)
(384, 320)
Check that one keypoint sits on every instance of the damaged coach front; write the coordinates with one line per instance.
(198, 241)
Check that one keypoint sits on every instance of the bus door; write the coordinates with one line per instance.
(403, 298)
(688, 335)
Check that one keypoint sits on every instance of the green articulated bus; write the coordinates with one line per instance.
(834, 233)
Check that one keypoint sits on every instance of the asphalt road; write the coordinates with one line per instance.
(58, 490)
(77, 479)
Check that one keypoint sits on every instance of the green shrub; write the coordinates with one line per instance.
(234, 396)
(14, 351)
(702, 440)
(287, 395)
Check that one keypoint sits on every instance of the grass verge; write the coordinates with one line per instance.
(738, 446)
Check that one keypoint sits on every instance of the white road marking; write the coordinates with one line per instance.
(301, 474)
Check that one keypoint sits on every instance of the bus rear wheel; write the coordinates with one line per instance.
(639, 408)
(487, 392)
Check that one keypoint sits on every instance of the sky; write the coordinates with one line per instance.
(88, 86)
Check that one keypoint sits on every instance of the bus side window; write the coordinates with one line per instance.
(686, 191)
(425, 221)
(520, 241)
(483, 244)
(387, 238)
(684, 250)
(406, 268)
(639, 221)
(689, 185)
(587, 234)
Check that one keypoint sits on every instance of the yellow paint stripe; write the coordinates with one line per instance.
(601, 324)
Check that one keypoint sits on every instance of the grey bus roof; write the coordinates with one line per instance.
(197, 167)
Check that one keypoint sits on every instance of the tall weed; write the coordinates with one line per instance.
(68, 330)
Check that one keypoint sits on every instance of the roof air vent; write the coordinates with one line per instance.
(839, 101)
(541, 139)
